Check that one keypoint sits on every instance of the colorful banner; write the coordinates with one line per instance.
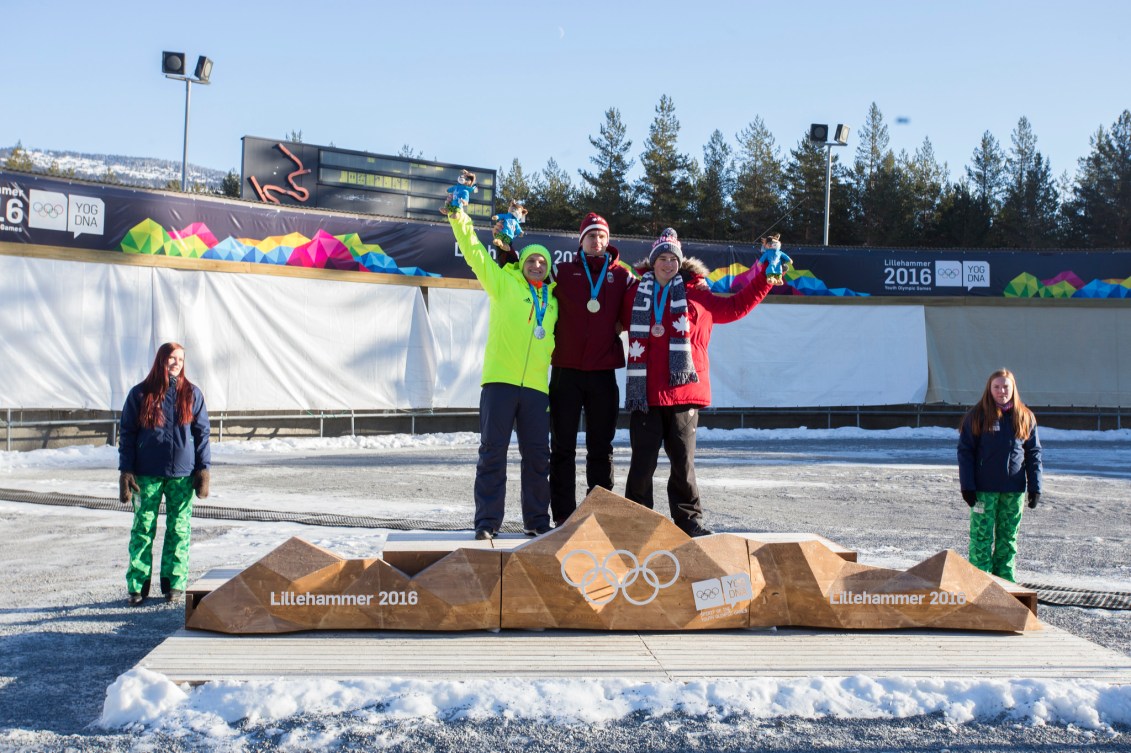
(48, 211)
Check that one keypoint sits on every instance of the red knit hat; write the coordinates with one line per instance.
(593, 221)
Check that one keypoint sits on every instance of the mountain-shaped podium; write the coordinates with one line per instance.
(614, 565)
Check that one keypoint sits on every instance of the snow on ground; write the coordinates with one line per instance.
(142, 697)
(233, 714)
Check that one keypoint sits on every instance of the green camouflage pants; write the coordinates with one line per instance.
(994, 522)
(178, 495)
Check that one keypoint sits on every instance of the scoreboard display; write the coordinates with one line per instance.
(300, 174)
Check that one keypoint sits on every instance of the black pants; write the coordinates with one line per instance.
(673, 428)
(571, 391)
(503, 408)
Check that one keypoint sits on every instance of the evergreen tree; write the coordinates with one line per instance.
(512, 185)
(409, 153)
(758, 183)
(926, 179)
(986, 174)
(877, 193)
(230, 185)
(714, 186)
(55, 170)
(19, 159)
(985, 177)
(665, 190)
(1030, 212)
(961, 221)
(1099, 212)
(553, 201)
(608, 192)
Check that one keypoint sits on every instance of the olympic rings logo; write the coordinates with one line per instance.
(50, 211)
(948, 272)
(602, 572)
(707, 593)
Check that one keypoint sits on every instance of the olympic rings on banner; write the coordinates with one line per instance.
(602, 572)
(948, 273)
(50, 211)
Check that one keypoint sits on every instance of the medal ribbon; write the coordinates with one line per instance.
(595, 290)
(658, 306)
(540, 311)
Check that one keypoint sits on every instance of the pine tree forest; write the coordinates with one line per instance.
(1005, 196)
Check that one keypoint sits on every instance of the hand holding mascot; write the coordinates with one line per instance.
(508, 225)
(460, 194)
(773, 258)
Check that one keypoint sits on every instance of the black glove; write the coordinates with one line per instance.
(969, 497)
(1034, 499)
(127, 487)
(200, 481)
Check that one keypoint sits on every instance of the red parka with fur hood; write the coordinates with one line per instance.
(704, 310)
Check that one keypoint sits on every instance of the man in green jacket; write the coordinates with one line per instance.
(516, 365)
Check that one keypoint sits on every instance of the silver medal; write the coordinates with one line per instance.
(594, 305)
(539, 332)
(657, 330)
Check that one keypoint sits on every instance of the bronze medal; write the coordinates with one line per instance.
(657, 330)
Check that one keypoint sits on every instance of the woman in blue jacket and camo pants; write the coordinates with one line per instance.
(162, 452)
(999, 457)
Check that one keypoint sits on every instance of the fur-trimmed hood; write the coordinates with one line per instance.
(690, 269)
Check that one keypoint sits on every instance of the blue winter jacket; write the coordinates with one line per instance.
(172, 450)
(998, 461)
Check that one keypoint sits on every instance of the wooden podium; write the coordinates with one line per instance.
(614, 565)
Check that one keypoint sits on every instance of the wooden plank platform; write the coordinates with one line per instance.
(197, 657)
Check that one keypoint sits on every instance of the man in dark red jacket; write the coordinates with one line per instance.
(669, 322)
(590, 291)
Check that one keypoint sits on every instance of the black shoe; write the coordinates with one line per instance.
(536, 531)
(173, 594)
(484, 534)
(695, 529)
(137, 597)
(165, 588)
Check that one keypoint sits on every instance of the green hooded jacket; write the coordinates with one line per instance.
(514, 355)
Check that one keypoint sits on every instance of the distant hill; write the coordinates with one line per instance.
(130, 171)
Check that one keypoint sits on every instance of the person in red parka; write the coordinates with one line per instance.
(669, 321)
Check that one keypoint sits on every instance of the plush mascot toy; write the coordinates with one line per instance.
(460, 194)
(773, 257)
(508, 225)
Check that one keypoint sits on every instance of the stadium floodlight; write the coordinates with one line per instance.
(173, 66)
(819, 134)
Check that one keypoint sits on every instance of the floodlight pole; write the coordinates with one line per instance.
(828, 183)
(184, 154)
(202, 78)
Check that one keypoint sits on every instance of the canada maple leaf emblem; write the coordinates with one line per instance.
(682, 325)
(635, 349)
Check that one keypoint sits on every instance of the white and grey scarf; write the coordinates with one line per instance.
(681, 368)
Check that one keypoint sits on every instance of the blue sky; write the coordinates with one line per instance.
(481, 84)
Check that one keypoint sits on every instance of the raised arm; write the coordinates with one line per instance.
(488, 273)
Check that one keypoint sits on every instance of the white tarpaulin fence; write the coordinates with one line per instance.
(79, 335)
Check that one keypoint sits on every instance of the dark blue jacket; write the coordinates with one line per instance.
(998, 461)
(172, 450)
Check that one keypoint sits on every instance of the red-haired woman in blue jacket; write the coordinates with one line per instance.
(163, 451)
